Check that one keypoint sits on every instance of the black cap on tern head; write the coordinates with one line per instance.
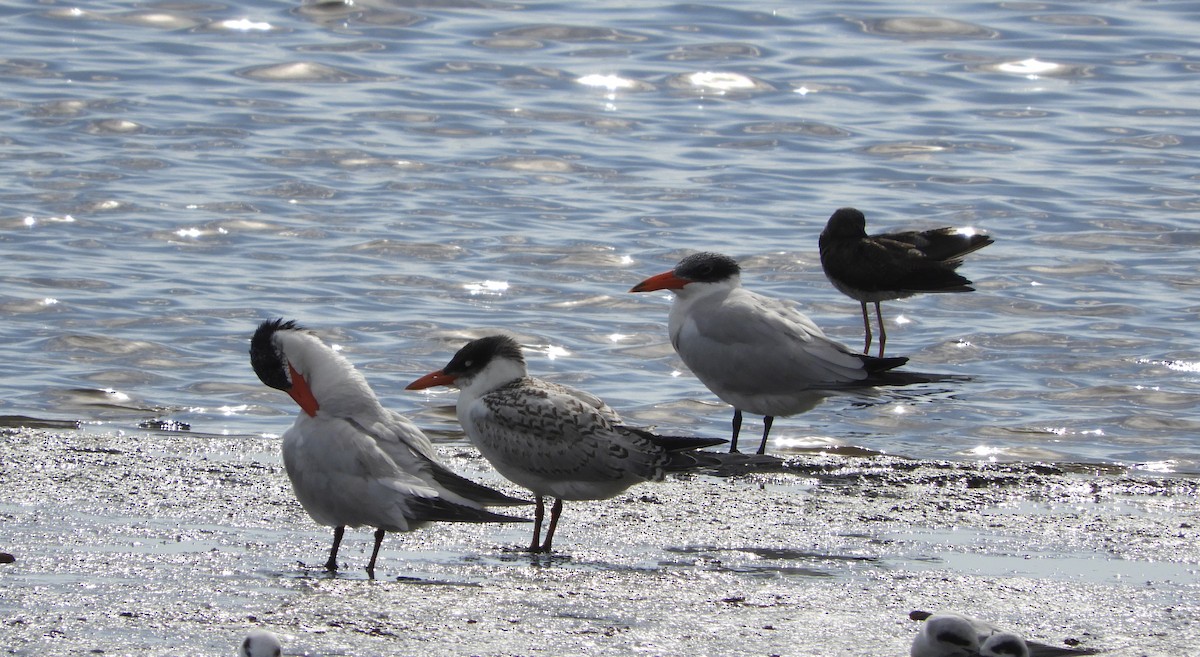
(476, 354)
(707, 267)
(265, 358)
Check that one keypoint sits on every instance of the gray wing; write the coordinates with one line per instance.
(533, 430)
(750, 343)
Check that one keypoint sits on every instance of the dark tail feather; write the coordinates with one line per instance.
(1046, 650)
(873, 364)
(958, 249)
(945, 244)
(683, 452)
(436, 509)
(471, 490)
(894, 378)
(677, 443)
(881, 372)
(936, 280)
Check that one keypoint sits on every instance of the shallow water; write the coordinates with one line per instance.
(402, 175)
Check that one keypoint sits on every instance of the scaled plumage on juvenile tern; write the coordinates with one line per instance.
(555, 440)
(886, 266)
(947, 634)
(351, 461)
(260, 643)
(756, 353)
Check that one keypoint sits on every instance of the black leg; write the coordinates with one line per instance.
(767, 421)
(867, 326)
(539, 511)
(375, 553)
(882, 331)
(737, 428)
(331, 565)
(555, 512)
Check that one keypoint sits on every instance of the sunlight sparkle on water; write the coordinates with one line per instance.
(196, 233)
(1064, 431)
(1030, 68)
(116, 395)
(984, 451)
(610, 81)
(245, 25)
(487, 287)
(901, 320)
(65, 219)
(721, 82)
(616, 337)
(553, 352)
(1176, 365)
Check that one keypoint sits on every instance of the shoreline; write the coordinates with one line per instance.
(154, 544)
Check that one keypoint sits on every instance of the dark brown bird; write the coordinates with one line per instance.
(886, 266)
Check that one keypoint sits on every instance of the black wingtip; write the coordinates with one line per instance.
(471, 490)
(437, 509)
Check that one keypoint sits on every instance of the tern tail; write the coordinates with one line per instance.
(472, 491)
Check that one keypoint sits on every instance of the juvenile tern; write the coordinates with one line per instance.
(555, 440)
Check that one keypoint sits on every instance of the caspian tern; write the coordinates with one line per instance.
(260, 643)
(555, 440)
(876, 268)
(947, 634)
(351, 461)
(756, 353)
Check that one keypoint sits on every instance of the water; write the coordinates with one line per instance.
(404, 175)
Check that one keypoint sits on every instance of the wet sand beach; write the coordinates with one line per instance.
(131, 543)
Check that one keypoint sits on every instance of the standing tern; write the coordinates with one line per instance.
(756, 353)
(876, 268)
(947, 634)
(555, 440)
(351, 461)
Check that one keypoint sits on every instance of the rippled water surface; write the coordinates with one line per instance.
(403, 175)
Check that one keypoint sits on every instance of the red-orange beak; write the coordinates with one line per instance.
(301, 393)
(438, 378)
(664, 281)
